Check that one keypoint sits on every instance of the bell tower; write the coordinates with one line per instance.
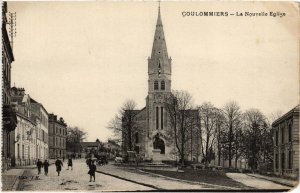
(159, 64)
(159, 88)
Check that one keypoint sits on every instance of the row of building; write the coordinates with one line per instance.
(29, 132)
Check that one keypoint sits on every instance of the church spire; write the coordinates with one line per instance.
(159, 49)
(159, 22)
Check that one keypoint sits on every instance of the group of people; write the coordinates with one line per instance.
(58, 164)
(45, 165)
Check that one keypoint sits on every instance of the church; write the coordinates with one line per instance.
(152, 122)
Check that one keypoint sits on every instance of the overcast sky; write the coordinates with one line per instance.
(82, 60)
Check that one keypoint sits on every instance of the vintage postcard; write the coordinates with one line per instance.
(150, 96)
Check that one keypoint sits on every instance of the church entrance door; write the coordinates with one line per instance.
(159, 144)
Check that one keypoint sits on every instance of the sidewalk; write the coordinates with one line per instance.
(282, 181)
(51, 161)
(257, 183)
(10, 179)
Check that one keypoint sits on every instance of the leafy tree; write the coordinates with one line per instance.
(74, 137)
(258, 138)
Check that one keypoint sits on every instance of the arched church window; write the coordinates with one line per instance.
(162, 85)
(136, 137)
(159, 68)
(162, 117)
(157, 115)
(155, 85)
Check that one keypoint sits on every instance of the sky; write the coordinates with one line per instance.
(83, 60)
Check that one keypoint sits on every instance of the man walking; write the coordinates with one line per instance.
(39, 166)
(46, 166)
(58, 164)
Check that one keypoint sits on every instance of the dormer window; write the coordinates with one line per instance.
(162, 85)
(155, 85)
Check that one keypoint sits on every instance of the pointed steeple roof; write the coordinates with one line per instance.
(159, 49)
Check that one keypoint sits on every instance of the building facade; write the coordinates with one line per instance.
(9, 122)
(40, 115)
(23, 138)
(112, 148)
(90, 148)
(286, 144)
(57, 137)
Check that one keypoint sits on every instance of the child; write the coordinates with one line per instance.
(92, 170)
(70, 163)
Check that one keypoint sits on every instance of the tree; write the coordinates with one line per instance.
(258, 137)
(124, 125)
(232, 116)
(74, 137)
(220, 122)
(209, 116)
(182, 119)
(274, 116)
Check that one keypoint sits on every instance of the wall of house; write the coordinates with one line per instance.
(286, 152)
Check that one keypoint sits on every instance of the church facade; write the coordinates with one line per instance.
(152, 124)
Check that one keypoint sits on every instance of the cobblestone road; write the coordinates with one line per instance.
(77, 179)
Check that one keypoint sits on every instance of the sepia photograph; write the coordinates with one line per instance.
(150, 96)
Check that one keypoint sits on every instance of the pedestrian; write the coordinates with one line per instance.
(88, 162)
(58, 165)
(92, 170)
(46, 165)
(70, 163)
(64, 159)
(39, 165)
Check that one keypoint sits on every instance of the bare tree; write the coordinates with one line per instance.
(115, 125)
(274, 116)
(232, 116)
(208, 115)
(220, 121)
(182, 119)
(124, 124)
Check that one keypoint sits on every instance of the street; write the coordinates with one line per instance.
(113, 178)
(76, 179)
